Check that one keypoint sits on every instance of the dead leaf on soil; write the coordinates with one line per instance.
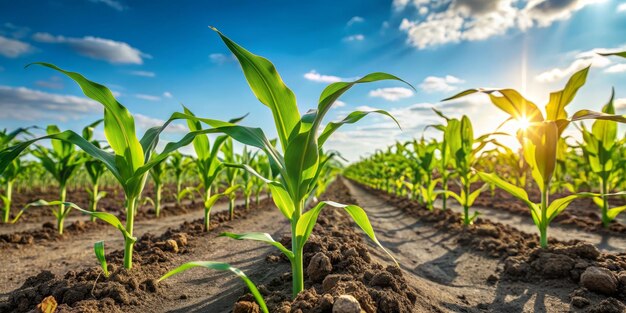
(48, 305)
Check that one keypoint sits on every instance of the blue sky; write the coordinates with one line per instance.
(158, 54)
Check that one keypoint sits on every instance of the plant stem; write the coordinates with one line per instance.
(61, 217)
(94, 201)
(543, 225)
(157, 198)
(444, 200)
(466, 193)
(129, 242)
(207, 210)
(7, 207)
(297, 267)
(231, 208)
(605, 204)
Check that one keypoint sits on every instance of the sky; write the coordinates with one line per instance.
(156, 55)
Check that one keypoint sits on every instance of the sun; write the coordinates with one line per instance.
(521, 123)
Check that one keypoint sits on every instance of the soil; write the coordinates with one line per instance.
(444, 267)
(518, 261)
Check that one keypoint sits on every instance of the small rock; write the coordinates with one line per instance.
(382, 279)
(246, 307)
(170, 245)
(346, 304)
(181, 239)
(319, 267)
(580, 302)
(599, 279)
(621, 276)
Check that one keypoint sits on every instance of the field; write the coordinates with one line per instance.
(456, 223)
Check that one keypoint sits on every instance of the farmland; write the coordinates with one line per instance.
(111, 219)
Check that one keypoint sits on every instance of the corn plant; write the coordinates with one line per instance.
(131, 158)
(247, 183)
(179, 165)
(300, 165)
(540, 143)
(262, 166)
(600, 148)
(158, 174)
(62, 162)
(459, 136)
(208, 164)
(95, 170)
(231, 173)
(11, 173)
(219, 266)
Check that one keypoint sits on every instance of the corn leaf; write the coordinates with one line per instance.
(555, 109)
(263, 237)
(98, 248)
(268, 87)
(307, 222)
(350, 119)
(219, 266)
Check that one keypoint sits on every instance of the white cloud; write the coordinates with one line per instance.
(621, 7)
(146, 122)
(338, 104)
(115, 52)
(23, 103)
(356, 37)
(391, 93)
(313, 75)
(167, 94)
(617, 68)
(142, 73)
(580, 61)
(220, 58)
(15, 31)
(440, 84)
(13, 48)
(111, 3)
(354, 20)
(54, 82)
(147, 97)
(620, 103)
(451, 21)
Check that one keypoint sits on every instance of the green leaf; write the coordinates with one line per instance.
(282, 200)
(106, 217)
(263, 237)
(513, 190)
(555, 108)
(98, 248)
(350, 119)
(268, 87)
(559, 205)
(219, 266)
(119, 125)
(612, 213)
(621, 54)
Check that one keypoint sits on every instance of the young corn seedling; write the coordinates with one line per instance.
(158, 174)
(62, 162)
(11, 173)
(300, 165)
(208, 164)
(218, 266)
(459, 136)
(232, 174)
(540, 143)
(95, 170)
(247, 183)
(600, 148)
(179, 165)
(129, 163)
